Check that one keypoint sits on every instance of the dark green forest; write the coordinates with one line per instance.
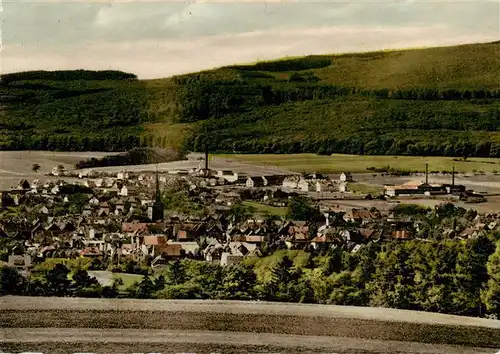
(454, 277)
(318, 104)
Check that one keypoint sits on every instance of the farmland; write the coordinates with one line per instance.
(338, 163)
(233, 325)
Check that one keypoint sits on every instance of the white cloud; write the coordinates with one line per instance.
(164, 38)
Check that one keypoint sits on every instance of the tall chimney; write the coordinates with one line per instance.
(426, 173)
(453, 176)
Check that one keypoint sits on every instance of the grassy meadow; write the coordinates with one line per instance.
(263, 209)
(338, 163)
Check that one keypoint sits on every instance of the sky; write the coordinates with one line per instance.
(155, 39)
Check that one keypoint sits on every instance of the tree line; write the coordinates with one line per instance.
(66, 75)
(454, 277)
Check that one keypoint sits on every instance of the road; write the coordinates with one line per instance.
(129, 325)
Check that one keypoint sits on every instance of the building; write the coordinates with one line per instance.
(158, 206)
(343, 187)
(253, 182)
(346, 177)
(403, 190)
(228, 175)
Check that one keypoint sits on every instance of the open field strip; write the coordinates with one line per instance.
(256, 317)
(338, 163)
(135, 337)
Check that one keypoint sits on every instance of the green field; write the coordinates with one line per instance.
(263, 209)
(338, 163)
(128, 279)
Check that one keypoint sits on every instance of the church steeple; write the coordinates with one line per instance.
(158, 193)
(158, 206)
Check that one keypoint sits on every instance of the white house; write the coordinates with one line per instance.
(290, 182)
(343, 187)
(94, 201)
(255, 182)
(122, 175)
(228, 175)
(123, 191)
(303, 185)
(323, 186)
(345, 177)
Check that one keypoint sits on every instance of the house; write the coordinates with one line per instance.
(303, 185)
(186, 246)
(360, 215)
(90, 252)
(188, 231)
(401, 235)
(327, 239)
(23, 184)
(122, 175)
(273, 180)
(124, 191)
(135, 227)
(343, 187)
(119, 205)
(228, 175)
(228, 259)
(316, 176)
(253, 182)
(169, 251)
(291, 182)
(20, 262)
(346, 177)
(323, 186)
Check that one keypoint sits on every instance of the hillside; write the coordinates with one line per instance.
(434, 101)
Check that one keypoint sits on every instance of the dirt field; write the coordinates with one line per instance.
(16, 165)
(162, 341)
(192, 316)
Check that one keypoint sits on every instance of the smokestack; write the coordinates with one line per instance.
(426, 173)
(453, 176)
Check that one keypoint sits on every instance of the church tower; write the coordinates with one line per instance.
(158, 206)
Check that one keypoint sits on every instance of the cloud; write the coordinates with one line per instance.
(162, 39)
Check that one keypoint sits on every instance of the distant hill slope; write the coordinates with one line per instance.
(434, 101)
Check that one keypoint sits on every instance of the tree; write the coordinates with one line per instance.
(238, 283)
(239, 212)
(301, 209)
(491, 294)
(35, 168)
(81, 279)
(284, 283)
(145, 288)
(11, 282)
(176, 273)
(472, 274)
(57, 280)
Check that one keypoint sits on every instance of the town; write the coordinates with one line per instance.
(119, 216)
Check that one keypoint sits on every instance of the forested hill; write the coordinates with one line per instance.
(435, 101)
